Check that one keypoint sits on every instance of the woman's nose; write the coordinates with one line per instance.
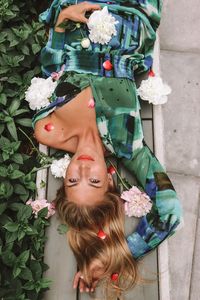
(84, 168)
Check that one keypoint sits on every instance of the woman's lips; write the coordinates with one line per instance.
(85, 157)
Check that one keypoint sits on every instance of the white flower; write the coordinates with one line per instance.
(39, 92)
(137, 203)
(101, 25)
(154, 90)
(59, 167)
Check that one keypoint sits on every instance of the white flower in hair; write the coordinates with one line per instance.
(154, 90)
(39, 92)
(59, 166)
(101, 25)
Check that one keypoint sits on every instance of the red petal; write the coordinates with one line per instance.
(151, 73)
(101, 234)
(114, 276)
(111, 170)
(107, 65)
(49, 127)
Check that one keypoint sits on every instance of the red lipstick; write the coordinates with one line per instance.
(85, 157)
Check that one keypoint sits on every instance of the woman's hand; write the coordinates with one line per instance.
(75, 13)
(82, 285)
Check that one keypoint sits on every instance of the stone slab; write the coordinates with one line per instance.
(179, 26)
(181, 113)
(58, 255)
(181, 245)
(148, 133)
(195, 293)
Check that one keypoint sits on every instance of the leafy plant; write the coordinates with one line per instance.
(22, 237)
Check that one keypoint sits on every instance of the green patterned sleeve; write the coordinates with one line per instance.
(166, 214)
(52, 55)
(151, 8)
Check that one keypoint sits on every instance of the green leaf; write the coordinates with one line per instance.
(24, 122)
(16, 145)
(3, 171)
(13, 106)
(2, 127)
(36, 269)
(17, 157)
(31, 185)
(2, 48)
(16, 272)
(16, 174)
(17, 59)
(3, 207)
(35, 48)
(15, 78)
(11, 236)
(24, 212)
(4, 69)
(5, 156)
(12, 129)
(2, 36)
(24, 256)
(43, 212)
(8, 258)
(11, 227)
(19, 189)
(16, 206)
(3, 99)
(21, 235)
(25, 50)
(26, 274)
(4, 141)
(11, 93)
(29, 285)
(24, 197)
(6, 189)
(21, 111)
(62, 229)
(45, 283)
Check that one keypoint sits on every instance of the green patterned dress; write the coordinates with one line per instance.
(116, 103)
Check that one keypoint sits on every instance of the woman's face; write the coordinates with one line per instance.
(86, 179)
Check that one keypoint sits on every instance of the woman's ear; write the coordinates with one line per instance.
(111, 184)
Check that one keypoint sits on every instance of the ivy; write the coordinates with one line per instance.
(22, 237)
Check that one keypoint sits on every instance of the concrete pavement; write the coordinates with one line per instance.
(180, 67)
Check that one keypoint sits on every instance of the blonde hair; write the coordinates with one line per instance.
(84, 222)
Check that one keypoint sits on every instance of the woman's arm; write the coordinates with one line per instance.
(75, 13)
(166, 213)
(151, 8)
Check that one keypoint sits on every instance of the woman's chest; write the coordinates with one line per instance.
(62, 127)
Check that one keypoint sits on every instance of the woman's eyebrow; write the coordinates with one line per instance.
(95, 186)
(72, 185)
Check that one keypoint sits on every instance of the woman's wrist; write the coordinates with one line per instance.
(60, 20)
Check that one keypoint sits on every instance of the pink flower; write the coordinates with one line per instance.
(37, 205)
(91, 103)
(137, 203)
(56, 75)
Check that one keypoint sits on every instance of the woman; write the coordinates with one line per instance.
(103, 119)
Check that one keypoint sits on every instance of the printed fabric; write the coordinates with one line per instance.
(117, 106)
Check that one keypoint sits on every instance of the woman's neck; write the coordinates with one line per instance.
(89, 139)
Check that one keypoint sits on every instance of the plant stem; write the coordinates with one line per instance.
(35, 148)
(123, 183)
(41, 168)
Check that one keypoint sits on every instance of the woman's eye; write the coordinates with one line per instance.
(72, 180)
(93, 180)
